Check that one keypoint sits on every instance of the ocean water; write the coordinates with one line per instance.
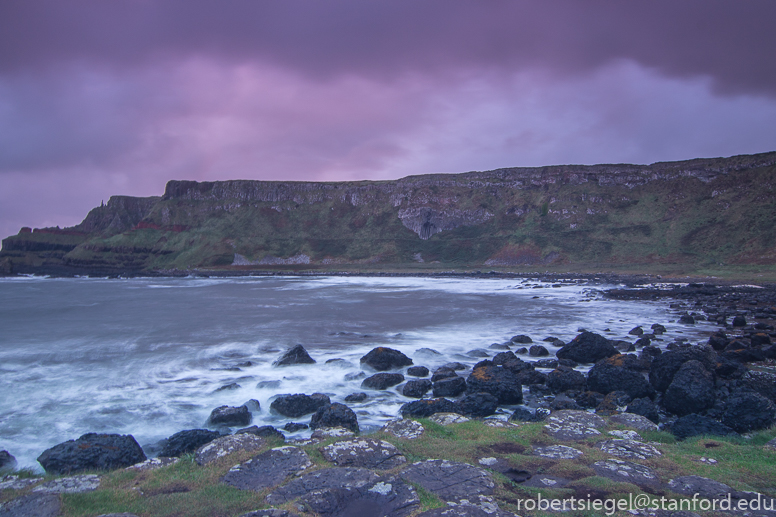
(147, 356)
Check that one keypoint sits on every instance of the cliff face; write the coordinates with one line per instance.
(698, 212)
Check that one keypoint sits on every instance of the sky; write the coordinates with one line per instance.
(106, 97)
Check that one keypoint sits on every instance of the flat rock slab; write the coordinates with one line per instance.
(544, 481)
(448, 418)
(629, 449)
(364, 452)
(226, 445)
(331, 432)
(268, 469)
(388, 497)
(771, 444)
(626, 472)
(270, 512)
(404, 428)
(704, 487)
(569, 424)
(633, 421)
(117, 515)
(154, 463)
(70, 485)
(465, 511)
(626, 435)
(557, 452)
(32, 505)
(449, 480)
(17, 483)
(324, 479)
(501, 424)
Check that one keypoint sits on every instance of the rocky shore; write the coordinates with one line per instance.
(607, 416)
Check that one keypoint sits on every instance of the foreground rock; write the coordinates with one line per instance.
(404, 428)
(587, 347)
(299, 404)
(573, 425)
(626, 472)
(92, 452)
(383, 359)
(499, 381)
(221, 447)
(691, 390)
(628, 449)
(268, 469)
(295, 355)
(698, 425)
(619, 373)
(70, 485)
(335, 415)
(364, 452)
(187, 441)
(449, 480)
(748, 411)
(324, 479)
(230, 416)
(387, 497)
(33, 505)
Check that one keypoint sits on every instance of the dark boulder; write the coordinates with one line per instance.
(744, 355)
(587, 347)
(7, 461)
(763, 383)
(383, 358)
(526, 415)
(230, 416)
(443, 373)
(92, 451)
(426, 408)
(691, 390)
(416, 388)
(293, 427)
(644, 407)
(657, 328)
(649, 352)
(382, 381)
(299, 404)
(450, 387)
(295, 355)
(265, 431)
(727, 369)
(417, 371)
(589, 399)
(665, 366)
(546, 363)
(499, 381)
(564, 378)
(739, 321)
(718, 341)
(697, 425)
(530, 376)
(187, 441)
(538, 351)
(748, 411)
(687, 319)
(455, 365)
(503, 358)
(612, 374)
(476, 405)
(356, 397)
(761, 339)
(522, 339)
(562, 402)
(335, 415)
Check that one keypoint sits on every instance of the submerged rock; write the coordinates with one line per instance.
(92, 451)
(382, 381)
(295, 355)
(416, 388)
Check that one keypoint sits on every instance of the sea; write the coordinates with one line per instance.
(148, 356)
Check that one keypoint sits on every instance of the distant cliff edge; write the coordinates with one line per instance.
(698, 215)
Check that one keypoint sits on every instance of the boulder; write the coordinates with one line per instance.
(613, 402)
(335, 415)
(364, 452)
(265, 431)
(589, 399)
(7, 461)
(293, 427)
(587, 347)
(746, 355)
(691, 390)
(564, 378)
(763, 383)
(761, 339)
(426, 408)
(299, 404)
(230, 416)
(739, 321)
(186, 441)
(538, 351)
(499, 381)
(356, 397)
(295, 355)
(687, 319)
(613, 374)
(477, 405)
(718, 341)
(383, 358)
(416, 388)
(226, 445)
(636, 331)
(644, 407)
(268, 469)
(522, 414)
(747, 411)
(443, 373)
(522, 339)
(450, 387)
(417, 371)
(92, 451)
(697, 425)
(382, 381)
(665, 366)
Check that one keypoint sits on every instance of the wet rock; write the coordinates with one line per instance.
(691, 390)
(529, 376)
(697, 425)
(573, 425)
(522, 414)
(587, 347)
(455, 366)
(636, 331)
(589, 399)
(33, 505)
(449, 480)
(478, 352)
(226, 445)
(268, 469)
(443, 373)
(293, 427)
(626, 472)
(546, 363)
(564, 378)
(665, 366)
(323, 433)
(154, 463)
(538, 351)
(270, 512)
(295, 355)
(449, 387)
(417, 371)
(763, 383)
(427, 407)
(335, 415)
(267, 384)
(557, 452)
(521, 339)
(634, 421)
(446, 419)
(388, 497)
(187, 441)
(416, 388)
(628, 449)
(747, 411)
(92, 451)
(613, 402)
(332, 478)
(70, 485)
(265, 431)
(230, 416)
(645, 408)
(382, 381)
(499, 381)
(739, 321)
(228, 387)
(364, 452)
(299, 404)
(477, 405)
(686, 319)
(7, 461)
(383, 359)
(404, 428)
(614, 374)
(354, 376)
(356, 397)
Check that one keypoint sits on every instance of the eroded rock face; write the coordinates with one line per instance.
(383, 359)
(268, 469)
(450, 480)
(299, 404)
(426, 221)
(221, 447)
(388, 497)
(364, 452)
(324, 479)
(92, 451)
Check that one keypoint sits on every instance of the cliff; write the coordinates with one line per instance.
(698, 214)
